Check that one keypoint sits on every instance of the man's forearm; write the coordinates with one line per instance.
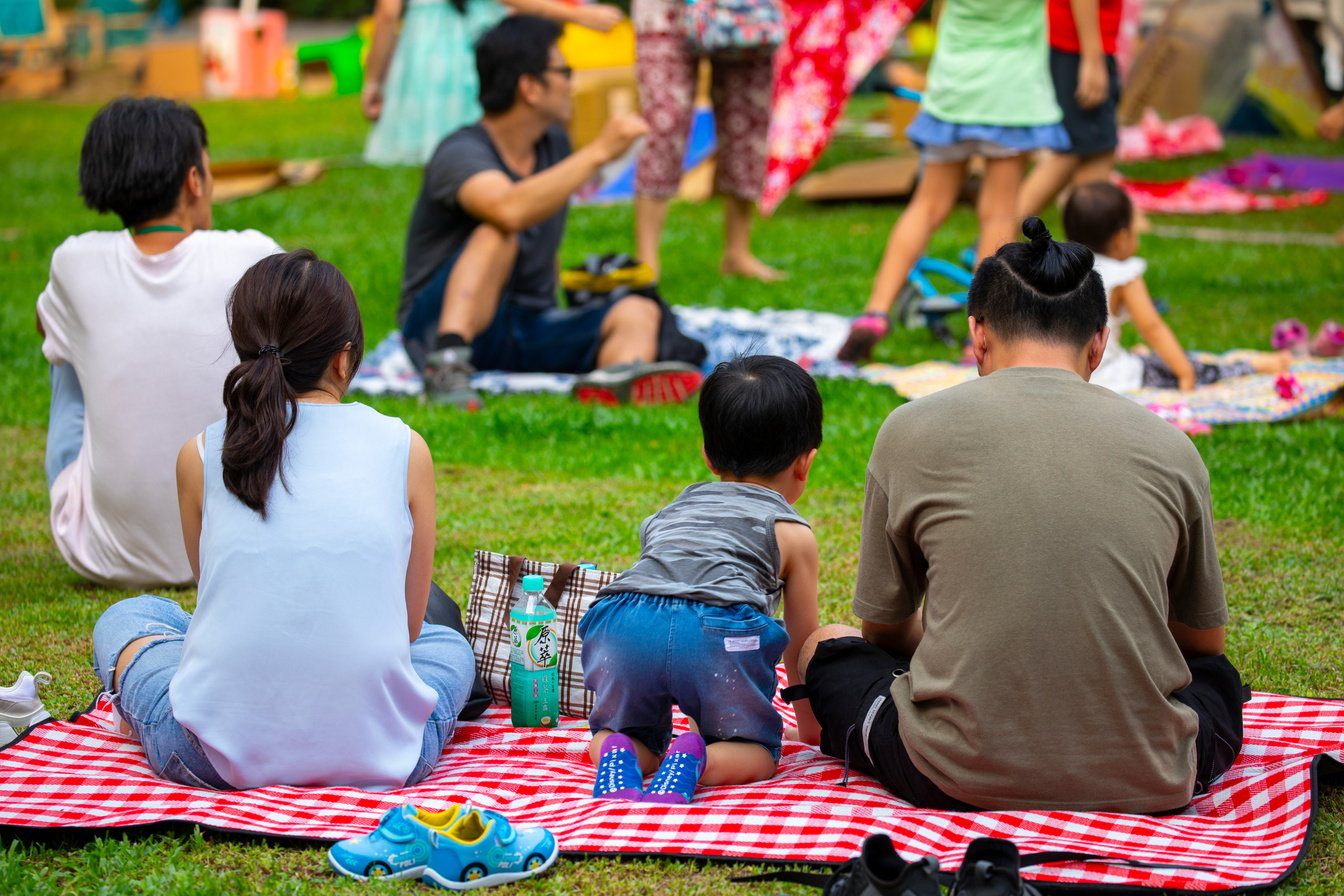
(536, 198)
(514, 206)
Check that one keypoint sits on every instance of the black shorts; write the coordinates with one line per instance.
(1091, 131)
(1216, 693)
(849, 686)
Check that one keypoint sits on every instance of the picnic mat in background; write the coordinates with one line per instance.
(1245, 399)
(1203, 195)
(1265, 171)
(1249, 832)
(809, 337)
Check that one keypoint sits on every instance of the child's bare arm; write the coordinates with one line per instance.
(1153, 330)
(798, 569)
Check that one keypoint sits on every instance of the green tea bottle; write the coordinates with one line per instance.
(534, 683)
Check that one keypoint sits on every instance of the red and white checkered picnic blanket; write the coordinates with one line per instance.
(1249, 831)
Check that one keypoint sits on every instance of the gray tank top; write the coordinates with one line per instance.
(714, 544)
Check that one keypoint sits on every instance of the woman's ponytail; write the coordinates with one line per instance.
(289, 316)
(260, 408)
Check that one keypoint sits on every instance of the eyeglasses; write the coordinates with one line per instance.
(564, 71)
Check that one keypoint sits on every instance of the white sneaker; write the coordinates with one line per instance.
(20, 707)
(7, 735)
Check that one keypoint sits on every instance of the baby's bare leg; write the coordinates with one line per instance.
(737, 762)
(1271, 362)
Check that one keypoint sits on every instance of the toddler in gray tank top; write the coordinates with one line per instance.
(691, 622)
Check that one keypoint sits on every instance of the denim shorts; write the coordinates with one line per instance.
(643, 653)
(519, 338)
(441, 657)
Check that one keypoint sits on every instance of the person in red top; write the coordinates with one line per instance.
(1087, 87)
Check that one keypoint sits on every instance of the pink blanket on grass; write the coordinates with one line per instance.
(1249, 832)
(1208, 196)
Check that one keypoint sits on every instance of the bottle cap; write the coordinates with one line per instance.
(533, 583)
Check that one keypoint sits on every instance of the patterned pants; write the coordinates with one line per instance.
(1157, 375)
(741, 93)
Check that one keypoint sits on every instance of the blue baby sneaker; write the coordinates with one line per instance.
(482, 849)
(399, 847)
(618, 776)
(675, 781)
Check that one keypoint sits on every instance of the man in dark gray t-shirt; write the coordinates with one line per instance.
(479, 289)
(440, 225)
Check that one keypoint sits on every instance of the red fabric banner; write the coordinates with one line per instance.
(832, 44)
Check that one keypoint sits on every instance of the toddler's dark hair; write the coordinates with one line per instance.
(289, 315)
(758, 414)
(519, 45)
(1095, 212)
(136, 154)
(1041, 289)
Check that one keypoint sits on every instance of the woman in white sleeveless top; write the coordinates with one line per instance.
(309, 524)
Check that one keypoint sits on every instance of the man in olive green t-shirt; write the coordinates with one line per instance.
(1041, 603)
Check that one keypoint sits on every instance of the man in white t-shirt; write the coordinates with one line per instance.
(134, 326)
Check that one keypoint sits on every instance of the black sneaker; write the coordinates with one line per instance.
(879, 870)
(991, 867)
(448, 373)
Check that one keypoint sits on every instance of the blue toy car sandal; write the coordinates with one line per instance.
(482, 849)
(399, 847)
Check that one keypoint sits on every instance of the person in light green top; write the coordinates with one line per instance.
(989, 94)
(991, 65)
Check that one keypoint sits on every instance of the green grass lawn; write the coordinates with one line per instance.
(542, 476)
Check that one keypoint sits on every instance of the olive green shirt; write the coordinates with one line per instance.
(1051, 529)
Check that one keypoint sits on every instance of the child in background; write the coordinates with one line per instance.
(1101, 216)
(989, 94)
(309, 524)
(690, 623)
(1083, 35)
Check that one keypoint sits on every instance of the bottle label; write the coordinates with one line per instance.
(533, 645)
(534, 699)
(534, 666)
(541, 647)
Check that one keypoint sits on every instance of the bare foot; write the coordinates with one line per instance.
(752, 267)
(1272, 362)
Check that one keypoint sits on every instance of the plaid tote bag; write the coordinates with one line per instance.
(569, 589)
